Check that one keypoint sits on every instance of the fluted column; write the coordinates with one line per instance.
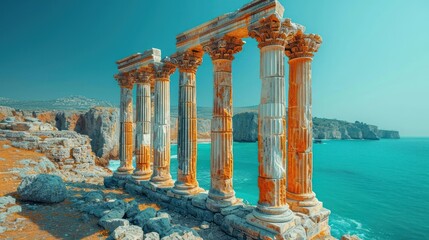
(221, 192)
(143, 126)
(161, 176)
(272, 211)
(186, 183)
(126, 82)
(300, 195)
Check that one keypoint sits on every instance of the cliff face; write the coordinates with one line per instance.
(246, 129)
(101, 124)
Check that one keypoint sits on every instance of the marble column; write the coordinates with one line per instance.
(187, 63)
(161, 176)
(143, 149)
(300, 195)
(221, 192)
(272, 211)
(126, 82)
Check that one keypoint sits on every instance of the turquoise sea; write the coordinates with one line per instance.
(375, 189)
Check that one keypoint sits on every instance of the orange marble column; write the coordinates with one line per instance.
(272, 212)
(126, 82)
(161, 176)
(221, 192)
(187, 63)
(300, 195)
(143, 149)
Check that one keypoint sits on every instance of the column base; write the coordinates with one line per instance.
(215, 202)
(183, 189)
(142, 176)
(122, 173)
(278, 224)
(304, 203)
(162, 182)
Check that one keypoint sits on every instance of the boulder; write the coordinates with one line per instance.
(112, 224)
(6, 200)
(43, 188)
(181, 232)
(141, 218)
(113, 214)
(160, 225)
(133, 209)
(151, 236)
(127, 233)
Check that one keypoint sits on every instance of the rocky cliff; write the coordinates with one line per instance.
(246, 127)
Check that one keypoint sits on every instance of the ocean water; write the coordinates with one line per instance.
(374, 189)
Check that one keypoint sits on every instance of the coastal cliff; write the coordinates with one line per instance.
(246, 129)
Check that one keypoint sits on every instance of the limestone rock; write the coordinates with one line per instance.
(141, 218)
(6, 200)
(101, 124)
(160, 225)
(127, 233)
(112, 224)
(113, 214)
(151, 236)
(42, 188)
(181, 232)
(245, 127)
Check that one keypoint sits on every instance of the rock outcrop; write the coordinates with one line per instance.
(246, 129)
(69, 154)
(42, 188)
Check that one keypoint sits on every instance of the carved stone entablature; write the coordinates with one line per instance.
(126, 80)
(271, 31)
(302, 45)
(145, 75)
(165, 68)
(189, 61)
(224, 48)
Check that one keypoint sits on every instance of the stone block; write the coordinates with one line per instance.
(200, 200)
(133, 189)
(141, 218)
(160, 225)
(218, 218)
(127, 232)
(112, 224)
(151, 236)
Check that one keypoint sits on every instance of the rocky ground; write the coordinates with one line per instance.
(52, 188)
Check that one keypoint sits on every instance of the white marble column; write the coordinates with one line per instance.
(126, 82)
(186, 183)
(161, 176)
(143, 149)
(221, 192)
(300, 195)
(272, 211)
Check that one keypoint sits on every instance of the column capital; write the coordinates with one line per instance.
(302, 45)
(224, 47)
(126, 79)
(145, 75)
(189, 60)
(164, 68)
(271, 31)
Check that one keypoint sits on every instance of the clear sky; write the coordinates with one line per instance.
(371, 67)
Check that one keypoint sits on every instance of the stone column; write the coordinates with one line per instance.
(161, 176)
(126, 82)
(272, 212)
(186, 183)
(143, 150)
(221, 192)
(300, 195)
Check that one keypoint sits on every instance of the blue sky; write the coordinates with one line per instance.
(371, 67)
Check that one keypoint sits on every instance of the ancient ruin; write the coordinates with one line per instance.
(287, 206)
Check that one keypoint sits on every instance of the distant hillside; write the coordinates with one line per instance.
(66, 103)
